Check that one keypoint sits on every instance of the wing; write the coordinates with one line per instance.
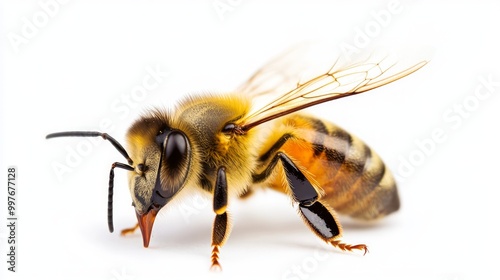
(341, 80)
(280, 74)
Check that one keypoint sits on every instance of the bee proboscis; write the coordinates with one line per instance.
(221, 146)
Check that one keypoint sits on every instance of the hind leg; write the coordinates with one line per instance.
(319, 217)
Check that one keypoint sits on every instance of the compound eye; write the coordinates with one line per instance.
(161, 135)
(174, 167)
(176, 151)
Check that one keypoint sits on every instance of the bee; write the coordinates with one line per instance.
(223, 146)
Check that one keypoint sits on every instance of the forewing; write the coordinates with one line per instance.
(281, 74)
(344, 78)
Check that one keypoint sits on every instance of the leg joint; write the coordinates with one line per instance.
(303, 191)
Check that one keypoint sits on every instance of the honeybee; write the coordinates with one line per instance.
(222, 146)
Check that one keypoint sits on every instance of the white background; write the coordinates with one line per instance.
(73, 71)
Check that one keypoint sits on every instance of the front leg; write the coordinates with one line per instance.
(220, 231)
(131, 230)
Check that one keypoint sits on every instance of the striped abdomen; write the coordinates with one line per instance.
(354, 179)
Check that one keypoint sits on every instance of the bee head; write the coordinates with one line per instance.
(162, 158)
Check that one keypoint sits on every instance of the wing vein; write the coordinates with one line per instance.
(338, 82)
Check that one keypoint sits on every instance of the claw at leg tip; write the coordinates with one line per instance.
(216, 267)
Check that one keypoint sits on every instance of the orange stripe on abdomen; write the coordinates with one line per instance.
(353, 177)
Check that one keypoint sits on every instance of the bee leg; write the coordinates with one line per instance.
(246, 194)
(220, 230)
(320, 219)
(131, 230)
(317, 216)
